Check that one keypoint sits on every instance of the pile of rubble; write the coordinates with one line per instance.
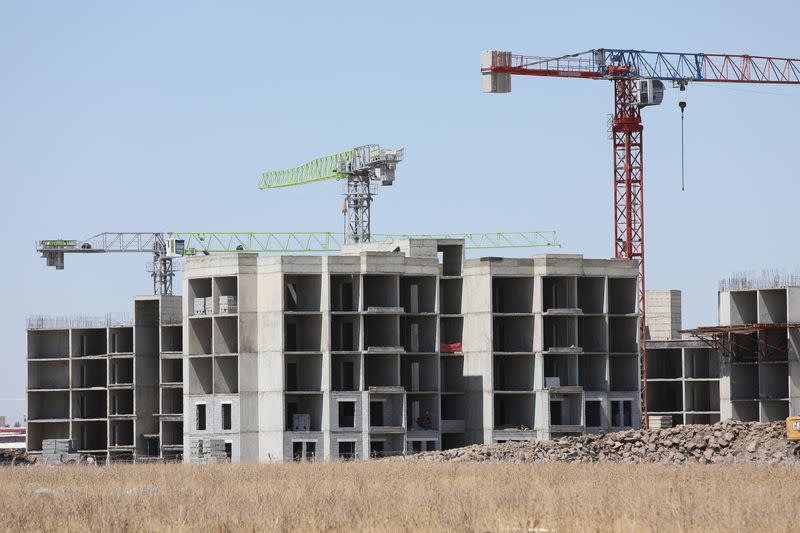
(728, 441)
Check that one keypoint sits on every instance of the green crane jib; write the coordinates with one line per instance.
(168, 246)
(362, 167)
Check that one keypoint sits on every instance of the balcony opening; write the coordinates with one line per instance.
(591, 294)
(558, 293)
(560, 371)
(622, 296)
(419, 373)
(302, 293)
(744, 307)
(452, 374)
(702, 395)
(450, 296)
(512, 295)
(172, 339)
(419, 334)
(664, 364)
(513, 372)
(513, 334)
(772, 306)
(418, 294)
(592, 372)
(200, 375)
(592, 333)
(450, 257)
(700, 363)
(664, 396)
(513, 411)
(744, 383)
(381, 331)
(344, 292)
(345, 373)
(226, 375)
(345, 333)
(121, 340)
(302, 333)
(303, 372)
(382, 370)
(624, 372)
(623, 334)
(381, 292)
(560, 332)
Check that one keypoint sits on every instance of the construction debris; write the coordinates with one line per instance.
(730, 441)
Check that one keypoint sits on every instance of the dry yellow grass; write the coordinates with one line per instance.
(401, 496)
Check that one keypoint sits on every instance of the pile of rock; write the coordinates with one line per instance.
(728, 441)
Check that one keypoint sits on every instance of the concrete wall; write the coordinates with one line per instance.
(663, 314)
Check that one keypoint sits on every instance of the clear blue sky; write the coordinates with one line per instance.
(146, 116)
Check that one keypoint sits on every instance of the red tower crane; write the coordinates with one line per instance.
(638, 82)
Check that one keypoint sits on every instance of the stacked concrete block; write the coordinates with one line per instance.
(227, 304)
(60, 451)
(208, 451)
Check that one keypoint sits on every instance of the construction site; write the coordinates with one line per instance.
(276, 347)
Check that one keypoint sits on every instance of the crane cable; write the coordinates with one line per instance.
(682, 105)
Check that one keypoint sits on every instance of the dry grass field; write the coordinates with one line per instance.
(400, 496)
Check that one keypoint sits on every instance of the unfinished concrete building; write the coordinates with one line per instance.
(683, 377)
(759, 339)
(377, 352)
(110, 387)
(383, 350)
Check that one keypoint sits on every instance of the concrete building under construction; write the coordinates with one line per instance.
(114, 384)
(381, 350)
(759, 339)
(683, 374)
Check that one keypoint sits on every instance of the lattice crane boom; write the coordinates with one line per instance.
(679, 67)
(637, 76)
(167, 247)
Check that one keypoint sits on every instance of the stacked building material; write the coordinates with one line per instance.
(59, 451)
(209, 305)
(227, 304)
(209, 451)
(199, 306)
(659, 421)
